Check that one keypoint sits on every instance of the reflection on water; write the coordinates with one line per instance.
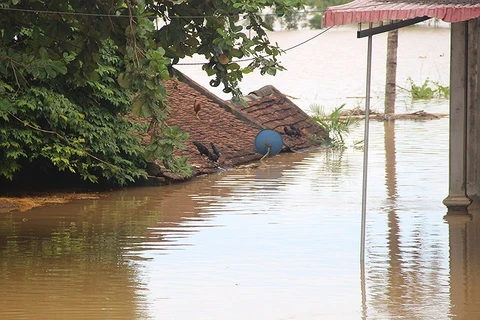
(277, 242)
(465, 267)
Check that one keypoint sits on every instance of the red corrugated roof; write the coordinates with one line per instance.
(376, 11)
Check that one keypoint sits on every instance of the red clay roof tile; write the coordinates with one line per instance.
(233, 128)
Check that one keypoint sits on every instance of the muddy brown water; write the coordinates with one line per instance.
(277, 242)
(280, 241)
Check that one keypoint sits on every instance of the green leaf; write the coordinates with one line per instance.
(43, 54)
(123, 80)
(137, 107)
(233, 66)
(50, 72)
(247, 70)
(59, 67)
(5, 106)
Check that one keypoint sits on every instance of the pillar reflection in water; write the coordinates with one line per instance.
(464, 233)
(405, 274)
(392, 294)
(395, 275)
(396, 284)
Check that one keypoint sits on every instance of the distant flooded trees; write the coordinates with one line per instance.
(309, 17)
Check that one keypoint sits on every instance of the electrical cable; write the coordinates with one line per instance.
(267, 153)
(250, 59)
(191, 17)
(106, 15)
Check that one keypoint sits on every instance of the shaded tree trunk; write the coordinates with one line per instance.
(391, 76)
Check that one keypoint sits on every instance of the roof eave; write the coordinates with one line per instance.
(361, 11)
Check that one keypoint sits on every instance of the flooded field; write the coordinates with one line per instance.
(281, 241)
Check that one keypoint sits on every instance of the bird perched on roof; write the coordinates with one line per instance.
(298, 133)
(289, 132)
(215, 149)
(212, 156)
(201, 148)
(197, 106)
(216, 153)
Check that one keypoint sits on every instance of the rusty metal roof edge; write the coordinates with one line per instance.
(359, 11)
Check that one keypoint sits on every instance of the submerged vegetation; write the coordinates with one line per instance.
(428, 90)
(336, 124)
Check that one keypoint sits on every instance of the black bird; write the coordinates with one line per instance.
(216, 153)
(201, 148)
(212, 156)
(290, 132)
(297, 131)
(215, 149)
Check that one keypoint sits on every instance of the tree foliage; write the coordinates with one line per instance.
(70, 72)
(324, 4)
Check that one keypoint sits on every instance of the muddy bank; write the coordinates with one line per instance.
(9, 204)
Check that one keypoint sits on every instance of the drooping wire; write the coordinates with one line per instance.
(308, 40)
(36, 11)
(250, 59)
(184, 17)
(106, 15)
(127, 16)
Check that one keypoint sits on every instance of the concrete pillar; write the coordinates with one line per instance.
(473, 113)
(457, 200)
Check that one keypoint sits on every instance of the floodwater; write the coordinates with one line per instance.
(281, 241)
